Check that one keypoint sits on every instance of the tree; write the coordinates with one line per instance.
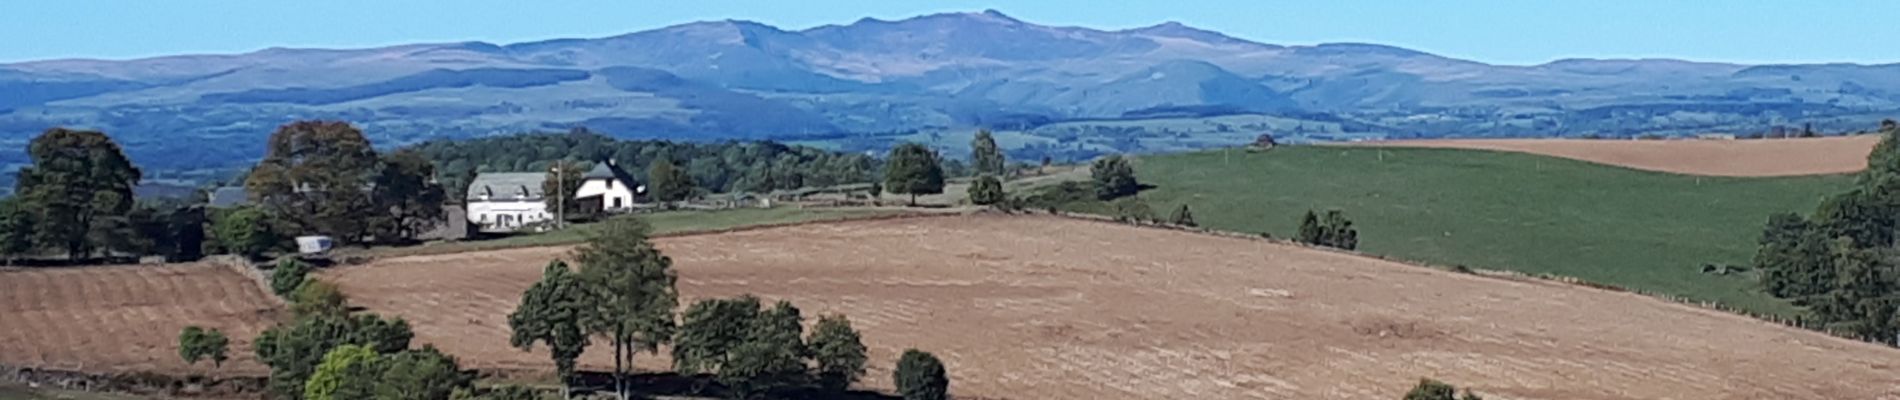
(314, 177)
(988, 158)
(709, 330)
(315, 297)
(348, 372)
(920, 376)
(1429, 389)
(245, 231)
(669, 183)
(876, 191)
(287, 276)
(78, 190)
(986, 190)
(424, 374)
(16, 230)
(913, 170)
(1113, 177)
(564, 181)
(294, 349)
(552, 312)
(405, 187)
(838, 351)
(196, 343)
(186, 226)
(1339, 232)
(1183, 216)
(632, 285)
(772, 355)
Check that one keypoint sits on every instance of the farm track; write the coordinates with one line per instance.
(1052, 308)
(1740, 158)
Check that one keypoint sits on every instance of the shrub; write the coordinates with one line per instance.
(288, 275)
(838, 351)
(920, 376)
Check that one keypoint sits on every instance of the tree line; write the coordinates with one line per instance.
(1841, 264)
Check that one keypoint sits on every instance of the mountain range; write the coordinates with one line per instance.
(860, 86)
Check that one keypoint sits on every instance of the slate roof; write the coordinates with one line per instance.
(607, 170)
(229, 196)
(507, 186)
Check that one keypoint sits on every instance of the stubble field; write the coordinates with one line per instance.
(1050, 308)
(127, 318)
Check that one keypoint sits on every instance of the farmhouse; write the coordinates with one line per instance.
(608, 188)
(507, 201)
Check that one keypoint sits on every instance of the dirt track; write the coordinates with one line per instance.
(1767, 157)
(1047, 308)
(127, 318)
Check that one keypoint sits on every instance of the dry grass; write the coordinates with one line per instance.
(127, 318)
(1766, 157)
(1047, 308)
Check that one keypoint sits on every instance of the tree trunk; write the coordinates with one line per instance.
(913, 199)
(620, 372)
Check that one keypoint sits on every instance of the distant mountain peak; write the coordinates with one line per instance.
(1176, 29)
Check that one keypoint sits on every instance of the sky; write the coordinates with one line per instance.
(1493, 31)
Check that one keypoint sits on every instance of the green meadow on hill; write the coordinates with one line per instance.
(1505, 211)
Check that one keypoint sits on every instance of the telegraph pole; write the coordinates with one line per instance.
(560, 196)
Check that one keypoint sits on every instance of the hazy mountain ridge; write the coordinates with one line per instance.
(870, 78)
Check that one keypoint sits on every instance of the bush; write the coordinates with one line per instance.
(1429, 389)
(839, 352)
(986, 190)
(1113, 177)
(195, 343)
(288, 275)
(920, 376)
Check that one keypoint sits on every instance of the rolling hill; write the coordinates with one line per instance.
(864, 83)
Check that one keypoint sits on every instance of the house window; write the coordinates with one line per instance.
(616, 202)
(610, 184)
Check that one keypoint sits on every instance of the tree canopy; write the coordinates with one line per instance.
(985, 156)
(717, 167)
(1113, 177)
(986, 190)
(667, 182)
(197, 343)
(315, 176)
(912, 169)
(920, 376)
(552, 312)
(78, 192)
(632, 287)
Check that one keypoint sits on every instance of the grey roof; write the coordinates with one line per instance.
(229, 196)
(507, 186)
(607, 170)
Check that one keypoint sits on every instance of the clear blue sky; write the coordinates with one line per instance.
(1497, 31)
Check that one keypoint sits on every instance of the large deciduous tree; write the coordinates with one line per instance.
(78, 191)
(920, 376)
(1113, 177)
(669, 183)
(913, 170)
(632, 287)
(838, 351)
(408, 200)
(985, 156)
(315, 176)
(552, 312)
(16, 230)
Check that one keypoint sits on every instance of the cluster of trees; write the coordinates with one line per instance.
(1333, 230)
(624, 293)
(324, 178)
(75, 199)
(716, 167)
(1113, 177)
(990, 165)
(1843, 263)
(1430, 389)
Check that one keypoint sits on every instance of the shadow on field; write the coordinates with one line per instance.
(670, 384)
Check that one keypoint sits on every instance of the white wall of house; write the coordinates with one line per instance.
(614, 195)
(506, 215)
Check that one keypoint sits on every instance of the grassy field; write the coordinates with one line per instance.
(1495, 210)
(663, 223)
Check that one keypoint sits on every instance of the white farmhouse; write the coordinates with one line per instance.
(609, 188)
(506, 201)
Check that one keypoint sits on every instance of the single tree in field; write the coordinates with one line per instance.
(564, 180)
(16, 230)
(315, 176)
(1113, 177)
(78, 191)
(838, 351)
(632, 291)
(406, 189)
(1310, 230)
(986, 190)
(913, 170)
(1183, 216)
(196, 343)
(920, 376)
(986, 156)
(669, 183)
(552, 312)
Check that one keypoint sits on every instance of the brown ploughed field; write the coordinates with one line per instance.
(1764, 157)
(1052, 308)
(127, 318)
